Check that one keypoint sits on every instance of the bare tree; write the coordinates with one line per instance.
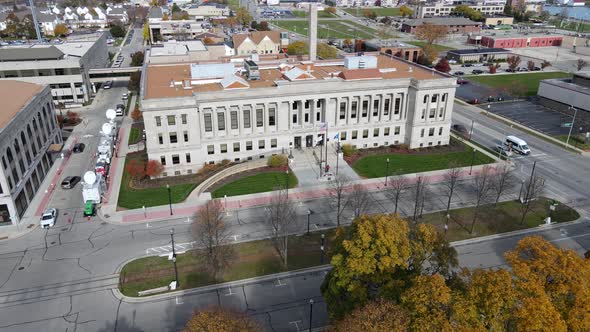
(451, 178)
(532, 189)
(419, 193)
(513, 61)
(210, 232)
(396, 186)
(581, 64)
(338, 193)
(482, 184)
(358, 200)
(502, 180)
(281, 215)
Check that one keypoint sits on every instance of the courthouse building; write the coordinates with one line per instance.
(205, 113)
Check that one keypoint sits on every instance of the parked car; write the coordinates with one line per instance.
(466, 65)
(125, 96)
(462, 81)
(461, 130)
(491, 99)
(474, 101)
(78, 147)
(536, 68)
(458, 73)
(48, 218)
(477, 71)
(453, 62)
(120, 110)
(70, 182)
(508, 70)
(522, 69)
(107, 85)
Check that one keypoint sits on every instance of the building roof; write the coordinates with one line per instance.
(257, 37)
(479, 51)
(30, 53)
(155, 12)
(510, 34)
(441, 21)
(15, 95)
(169, 80)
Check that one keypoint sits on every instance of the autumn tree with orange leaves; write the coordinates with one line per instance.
(220, 320)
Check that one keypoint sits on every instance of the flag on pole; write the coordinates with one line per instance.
(323, 126)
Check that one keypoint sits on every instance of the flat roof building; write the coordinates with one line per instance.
(205, 113)
(28, 127)
(511, 39)
(562, 93)
(454, 24)
(478, 55)
(64, 67)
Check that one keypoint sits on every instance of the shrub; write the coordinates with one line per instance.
(348, 150)
(225, 162)
(278, 160)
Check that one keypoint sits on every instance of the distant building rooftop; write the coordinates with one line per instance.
(479, 51)
(510, 34)
(441, 21)
(15, 95)
(30, 53)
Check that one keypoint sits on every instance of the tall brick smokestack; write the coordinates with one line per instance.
(313, 31)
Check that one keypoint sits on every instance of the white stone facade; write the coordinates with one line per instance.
(241, 124)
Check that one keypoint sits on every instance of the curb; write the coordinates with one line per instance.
(228, 284)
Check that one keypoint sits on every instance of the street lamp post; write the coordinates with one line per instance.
(572, 125)
(471, 130)
(322, 249)
(169, 198)
(520, 192)
(447, 224)
(310, 312)
(308, 215)
(472, 161)
(386, 171)
(287, 181)
(174, 258)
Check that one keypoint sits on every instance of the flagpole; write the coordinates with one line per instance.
(326, 143)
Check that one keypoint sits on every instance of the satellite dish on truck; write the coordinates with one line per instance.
(90, 177)
(111, 114)
(107, 129)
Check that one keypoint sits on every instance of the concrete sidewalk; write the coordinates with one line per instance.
(300, 194)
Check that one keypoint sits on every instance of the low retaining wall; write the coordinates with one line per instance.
(227, 172)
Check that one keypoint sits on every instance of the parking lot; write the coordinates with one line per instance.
(533, 116)
(472, 90)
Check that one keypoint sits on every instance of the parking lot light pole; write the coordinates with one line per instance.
(471, 130)
(322, 249)
(287, 181)
(308, 215)
(310, 312)
(472, 161)
(174, 258)
(572, 125)
(169, 198)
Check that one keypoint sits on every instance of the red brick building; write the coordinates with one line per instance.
(520, 41)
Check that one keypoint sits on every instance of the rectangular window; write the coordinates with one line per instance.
(273, 143)
(259, 119)
(353, 109)
(396, 130)
(398, 106)
(432, 113)
(318, 116)
(175, 159)
(236, 147)
(185, 135)
(210, 149)
(295, 105)
(171, 120)
(365, 108)
(386, 131)
(440, 131)
(376, 132)
(248, 145)
(434, 97)
(233, 115)
(163, 160)
(261, 144)
(342, 110)
(220, 121)
(354, 134)
(271, 117)
(441, 112)
(365, 133)
(294, 118)
(306, 117)
(208, 123)
(444, 97)
(187, 157)
(423, 114)
(431, 132)
(343, 136)
(183, 118)
(246, 118)
(375, 107)
(173, 137)
(158, 121)
(223, 148)
(160, 139)
(307, 104)
(422, 132)
(386, 106)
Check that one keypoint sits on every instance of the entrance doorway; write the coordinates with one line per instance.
(309, 141)
(297, 142)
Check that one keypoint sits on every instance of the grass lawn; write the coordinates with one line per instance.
(251, 259)
(378, 10)
(329, 29)
(304, 14)
(258, 258)
(252, 184)
(131, 198)
(375, 166)
(233, 4)
(530, 80)
(578, 141)
(439, 48)
(134, 135)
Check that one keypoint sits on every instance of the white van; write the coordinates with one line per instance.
(517, 145)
